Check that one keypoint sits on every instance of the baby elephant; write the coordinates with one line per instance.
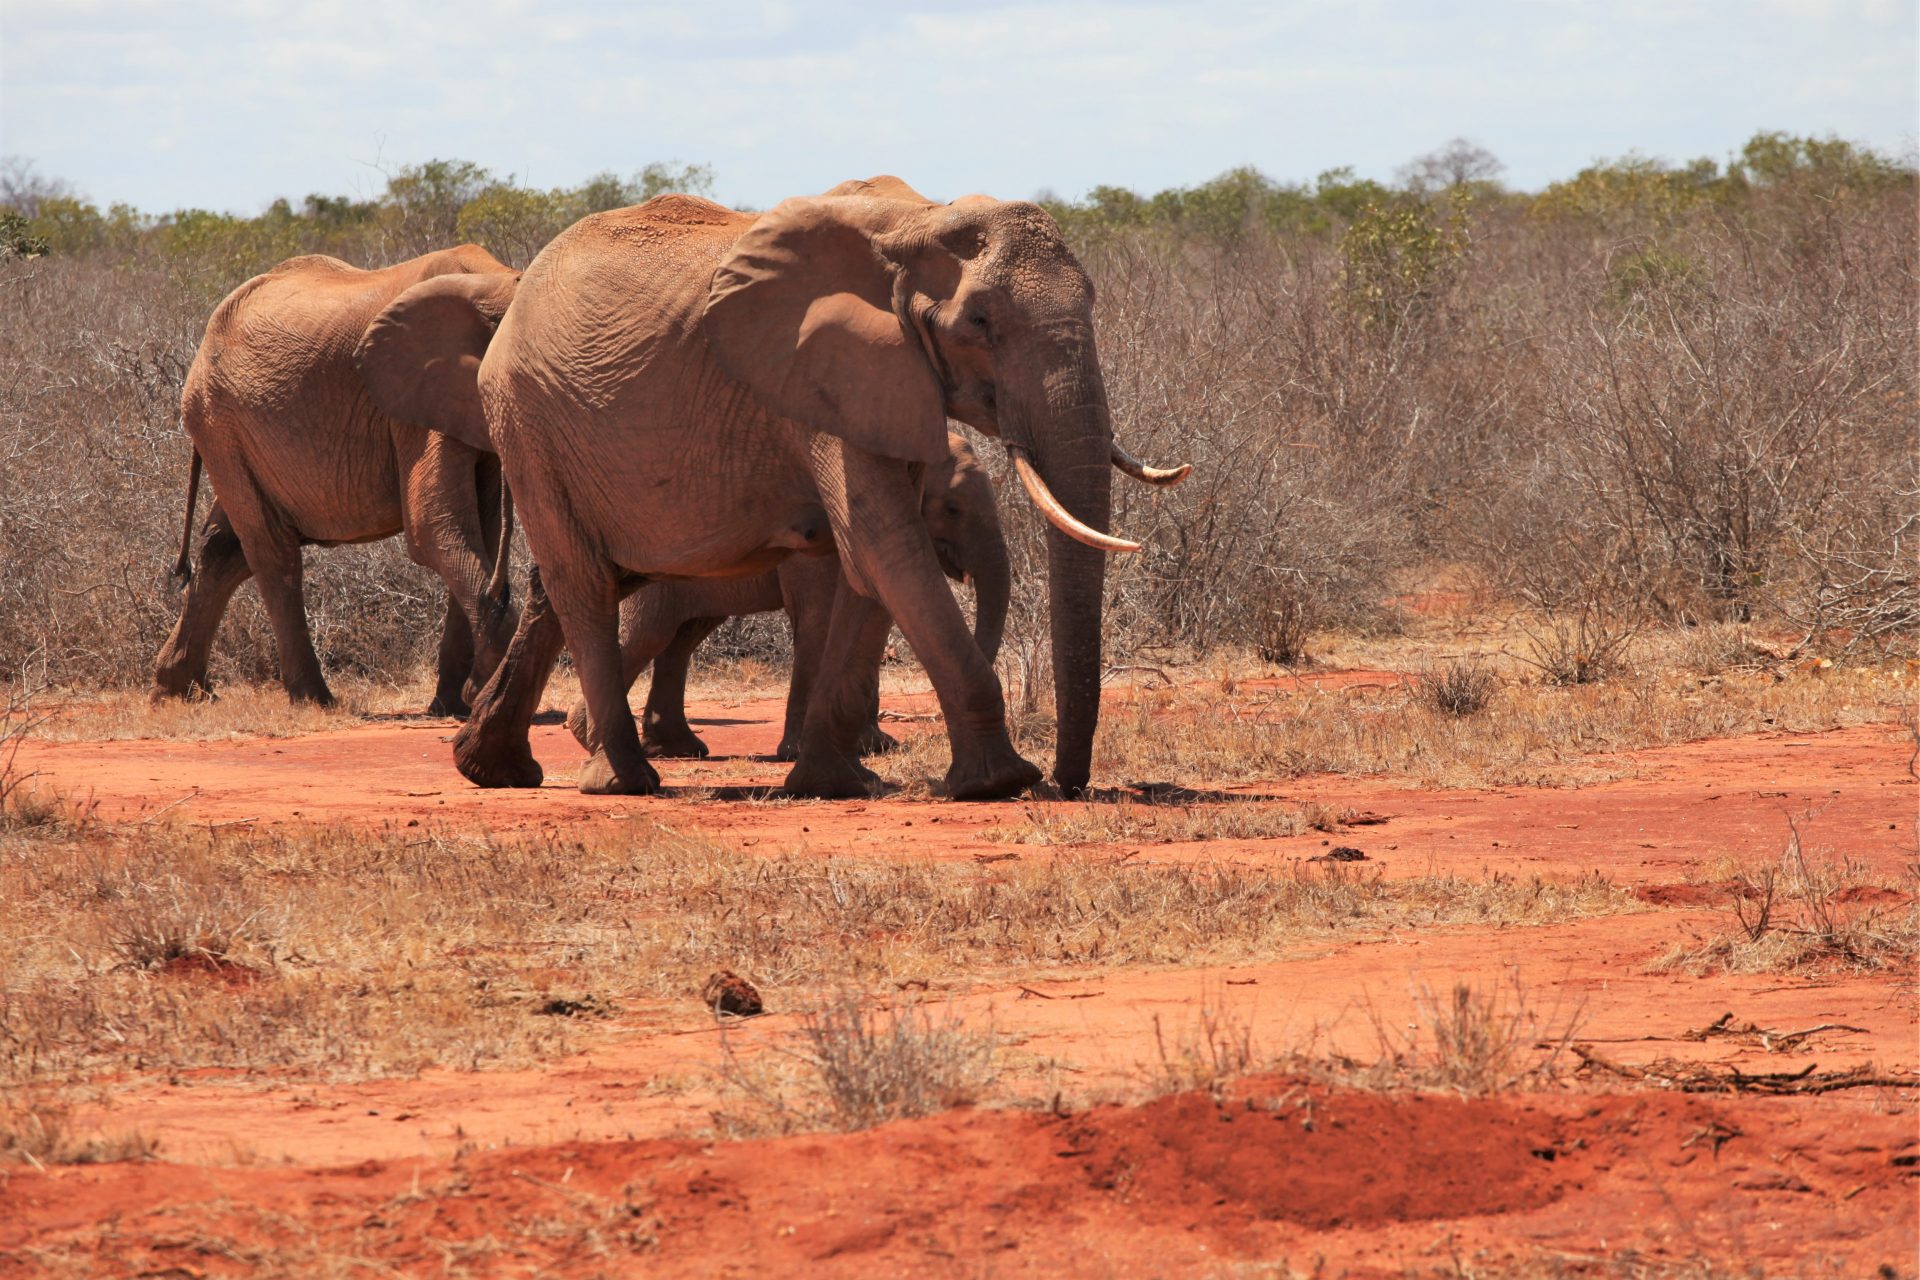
(665, 622)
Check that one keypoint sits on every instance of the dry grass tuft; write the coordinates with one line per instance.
(1475, 1042)
(860, 1066)
(1461, 688)
(38, 1131)
(1218, 1049)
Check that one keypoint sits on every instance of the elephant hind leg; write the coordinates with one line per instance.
(455, 664)
(491, 748)
(180, 669)
(279, 574)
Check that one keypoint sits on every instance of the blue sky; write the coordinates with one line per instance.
(227, 104)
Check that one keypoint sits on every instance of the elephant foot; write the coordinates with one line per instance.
(577, 725)
(502, 765)
(788, 751)
(449, 704)
(166, 691)
(993, 774)
(829, 775)
(672, 742)
(303, 696)
(598, 777)
(875, 741)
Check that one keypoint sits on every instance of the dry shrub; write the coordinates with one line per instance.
(1805, 913)
(1580, 645)
(1215, 1050)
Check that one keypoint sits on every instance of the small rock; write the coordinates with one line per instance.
(575, 1007)
(728, 992)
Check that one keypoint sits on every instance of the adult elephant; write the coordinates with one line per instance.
(683, 391)
(665, 623)
(281, 418)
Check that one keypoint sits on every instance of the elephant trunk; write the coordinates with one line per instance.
(1073, 456)
(992, 586)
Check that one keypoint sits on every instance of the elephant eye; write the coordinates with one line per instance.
(978, 322)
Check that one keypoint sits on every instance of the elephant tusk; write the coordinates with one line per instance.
(1057, 515)
(1165, 477)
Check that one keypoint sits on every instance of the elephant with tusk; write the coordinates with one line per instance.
(681, 391)
(300, 455)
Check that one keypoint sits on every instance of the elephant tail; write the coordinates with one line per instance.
(183, 568)
(499, 584)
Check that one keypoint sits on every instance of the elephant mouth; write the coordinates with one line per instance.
(949, 557)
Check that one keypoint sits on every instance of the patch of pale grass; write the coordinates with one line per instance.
(1532, 735)
(351, 954)
(237, 711)
(1127, 819)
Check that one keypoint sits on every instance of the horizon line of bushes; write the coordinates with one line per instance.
(447, 201)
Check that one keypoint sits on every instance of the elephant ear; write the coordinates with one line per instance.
(802, 310)
(420, 358)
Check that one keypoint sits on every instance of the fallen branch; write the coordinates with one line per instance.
(1686, 1077)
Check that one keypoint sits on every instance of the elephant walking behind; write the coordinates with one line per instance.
(298, 453)
(665, 623)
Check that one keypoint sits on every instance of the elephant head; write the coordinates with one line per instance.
(957, 499)
(420, 356)
(873, 314)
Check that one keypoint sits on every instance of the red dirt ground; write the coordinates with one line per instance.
(579, 1168)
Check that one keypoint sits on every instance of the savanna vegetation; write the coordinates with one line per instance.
(1648, 395)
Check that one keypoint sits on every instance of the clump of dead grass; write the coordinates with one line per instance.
(1474, 1041)
(1459, 688)
(860, 1065)
(1803, 912)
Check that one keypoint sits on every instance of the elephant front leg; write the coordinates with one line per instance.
(491, 749)
(886, 544)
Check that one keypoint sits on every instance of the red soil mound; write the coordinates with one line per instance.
(1370, 1183)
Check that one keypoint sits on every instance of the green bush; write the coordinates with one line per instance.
(1399, 259)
